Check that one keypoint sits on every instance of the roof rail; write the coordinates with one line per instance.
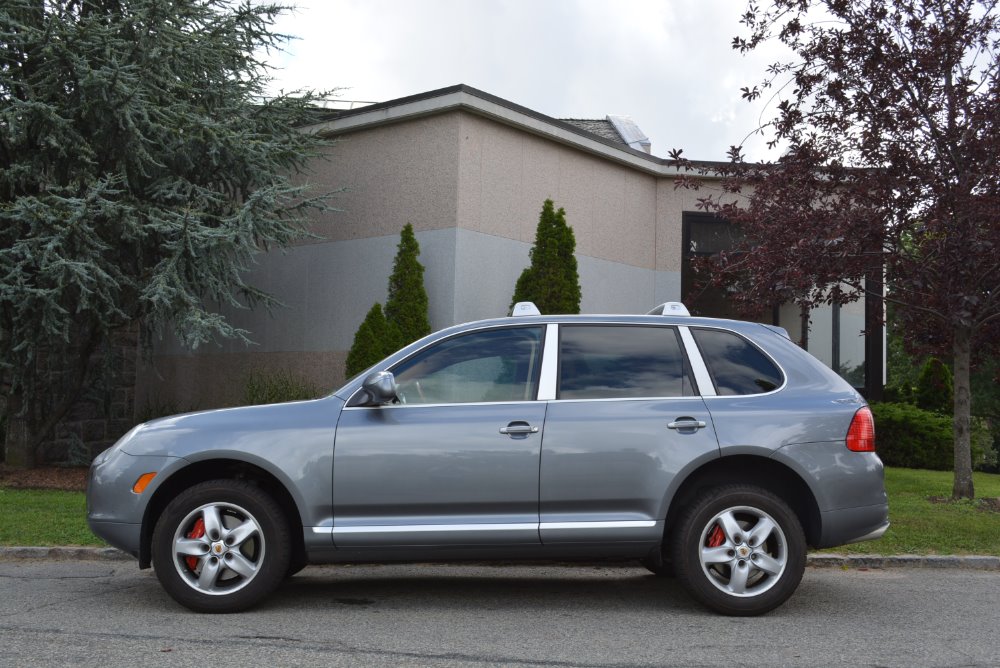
(670, 308)
(524, 308)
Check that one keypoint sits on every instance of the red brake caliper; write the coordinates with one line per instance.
(715, 536)
(197, 531)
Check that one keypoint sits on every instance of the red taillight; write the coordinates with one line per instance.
(861, 435)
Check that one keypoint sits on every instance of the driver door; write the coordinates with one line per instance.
(456, 461)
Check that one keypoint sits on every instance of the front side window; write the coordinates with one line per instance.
(621, 362)
(490, 365)
(736, 365)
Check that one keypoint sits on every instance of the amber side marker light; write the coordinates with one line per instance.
(861, 435)
(143, 482)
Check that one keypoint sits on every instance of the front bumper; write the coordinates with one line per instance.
(114, 512)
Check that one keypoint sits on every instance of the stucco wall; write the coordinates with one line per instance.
(507, 174)
(392, 175)
(473, 189)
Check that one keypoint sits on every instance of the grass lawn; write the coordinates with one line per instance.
(919, 526)
(44, 517)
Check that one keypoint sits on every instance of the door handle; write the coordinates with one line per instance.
(686, 423)
(518, 428)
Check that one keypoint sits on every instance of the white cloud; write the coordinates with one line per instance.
(666, 63)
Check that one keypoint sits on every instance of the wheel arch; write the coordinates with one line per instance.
(750, 469)
(216, 469)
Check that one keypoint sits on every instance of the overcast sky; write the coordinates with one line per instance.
(666, 63)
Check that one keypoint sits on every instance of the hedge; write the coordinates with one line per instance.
(910, 437)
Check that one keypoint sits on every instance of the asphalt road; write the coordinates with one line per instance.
(99, 613)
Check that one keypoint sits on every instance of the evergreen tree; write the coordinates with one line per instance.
(551, 280)
(372, 342)
(406, 304)
(141, 169)
(934, 388)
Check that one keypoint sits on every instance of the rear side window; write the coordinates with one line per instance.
(621, 362)
(736, 365)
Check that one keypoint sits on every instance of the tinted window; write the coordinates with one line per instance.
(736, 365)
(616, 362)
(491, 365)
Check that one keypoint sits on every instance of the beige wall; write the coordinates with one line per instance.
(473, 189)
(506, 174)
(393, 175)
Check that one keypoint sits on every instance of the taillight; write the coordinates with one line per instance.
(861, 435)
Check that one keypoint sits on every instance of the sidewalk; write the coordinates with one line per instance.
(859, 561)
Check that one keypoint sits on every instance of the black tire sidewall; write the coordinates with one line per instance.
(264, 510)
(687, 546)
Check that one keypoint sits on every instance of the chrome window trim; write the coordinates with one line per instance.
(781, 369)
(653, 398)
(453, 405)
(550, 364)
(706, 387)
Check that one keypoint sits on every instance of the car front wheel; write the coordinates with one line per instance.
(739, 550)
(221, 546)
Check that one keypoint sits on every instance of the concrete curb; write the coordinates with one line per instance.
(968, 562)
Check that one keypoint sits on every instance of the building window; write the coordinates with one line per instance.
(833, 334)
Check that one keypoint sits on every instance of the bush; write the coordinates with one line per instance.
(934, 391)
(275, 387)
(551, 280)
(911, 437)
(375, 339)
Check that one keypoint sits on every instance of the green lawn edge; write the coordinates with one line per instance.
(920, 526)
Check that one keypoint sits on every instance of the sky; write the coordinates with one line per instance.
(666, 63)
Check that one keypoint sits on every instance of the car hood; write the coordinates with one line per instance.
(246, 428)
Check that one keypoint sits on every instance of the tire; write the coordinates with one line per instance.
(221, 546)
(740, 550)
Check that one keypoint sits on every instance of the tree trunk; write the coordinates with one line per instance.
(19, 445)
(963, 488)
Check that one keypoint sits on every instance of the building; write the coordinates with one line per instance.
(470, 171)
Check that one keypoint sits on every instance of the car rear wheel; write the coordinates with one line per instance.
(740, 550)
(221, 546)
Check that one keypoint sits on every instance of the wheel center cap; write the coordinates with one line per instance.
(218, 548)
(743, 551)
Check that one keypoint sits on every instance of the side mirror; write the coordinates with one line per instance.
(381, 387)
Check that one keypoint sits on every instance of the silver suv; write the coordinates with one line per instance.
(715, 450)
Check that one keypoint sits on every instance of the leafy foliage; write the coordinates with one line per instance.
(406, 304)
(887, 117)
(934, 388)
(551, 281)
(375, 339)
(141, 170)
(912, 437)
(275, 387)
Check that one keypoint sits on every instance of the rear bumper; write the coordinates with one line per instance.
(853, 525)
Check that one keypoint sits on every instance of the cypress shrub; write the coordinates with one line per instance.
(374, 340)
(934, 391)
(406, 304)
(551, 280)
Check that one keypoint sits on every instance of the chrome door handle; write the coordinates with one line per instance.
(686, 423)
(518, 428)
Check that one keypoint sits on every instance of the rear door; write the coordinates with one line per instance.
(625, 421)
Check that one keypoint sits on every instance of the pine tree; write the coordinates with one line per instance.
(406, 304)
(551, 280)
(372, 342)
(141, 170)
(934, 391)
